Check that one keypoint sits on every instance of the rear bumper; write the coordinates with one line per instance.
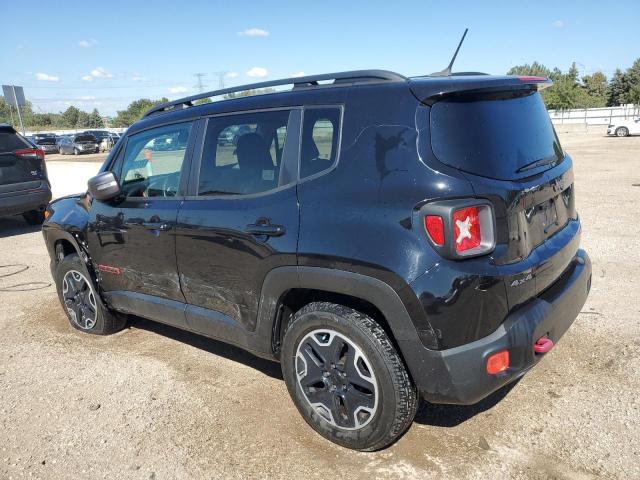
(22, 201)
(458, 375)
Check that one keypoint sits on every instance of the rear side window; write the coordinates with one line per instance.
(505, 138)
(10, 141)
(320, 133)
(243, 153)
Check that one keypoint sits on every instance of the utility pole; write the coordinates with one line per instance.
(200, 86)
(15, 98)
(220, 76)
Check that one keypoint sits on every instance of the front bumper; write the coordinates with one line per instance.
(22, 201)
(458, 375)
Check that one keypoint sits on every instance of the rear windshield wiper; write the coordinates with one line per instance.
(538, 163)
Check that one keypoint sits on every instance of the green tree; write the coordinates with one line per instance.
(535, 69)
(249, 93)
(70, 117)
(618, 89)
(95, 120)
(135, 111)
(595, 89)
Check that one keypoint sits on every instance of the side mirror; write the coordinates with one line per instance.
(104, 186)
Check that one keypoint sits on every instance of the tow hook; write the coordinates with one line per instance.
(543, 345)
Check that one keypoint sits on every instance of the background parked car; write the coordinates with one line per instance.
(48, 144)
(109, 141)
(24, 186)
(77, 144)
(624, 128)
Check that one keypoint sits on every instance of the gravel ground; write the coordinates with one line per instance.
(153, 402)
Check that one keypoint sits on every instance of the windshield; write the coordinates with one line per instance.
(85, 138)
(505, 137)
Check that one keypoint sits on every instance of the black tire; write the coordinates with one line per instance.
(104, 321)
(76, 151)
(395, 398)
(33, 217)
(622, 132)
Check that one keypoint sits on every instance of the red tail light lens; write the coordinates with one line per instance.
(30, 153)
(466, 229)
(435, 228)
(525, 78)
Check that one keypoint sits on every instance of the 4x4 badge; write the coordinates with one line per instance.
(520, 281)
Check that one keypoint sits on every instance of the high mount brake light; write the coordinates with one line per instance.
(30, 153)
(525, 78)
(460, 228)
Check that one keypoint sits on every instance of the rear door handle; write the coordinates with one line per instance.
(265, 229)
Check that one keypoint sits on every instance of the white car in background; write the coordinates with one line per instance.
(624, 128)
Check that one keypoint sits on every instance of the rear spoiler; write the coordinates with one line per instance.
(430, 90)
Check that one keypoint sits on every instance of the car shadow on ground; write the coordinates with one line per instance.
(453, 415)
(209, 345)
(11, 226)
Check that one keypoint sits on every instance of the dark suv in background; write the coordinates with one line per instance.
(383, 237)
(24, 186)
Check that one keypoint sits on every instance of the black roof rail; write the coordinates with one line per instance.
(340, 78)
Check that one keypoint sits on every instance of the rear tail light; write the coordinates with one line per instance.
(460, 228)
(435, 228)
(34, 153)
(498, 362)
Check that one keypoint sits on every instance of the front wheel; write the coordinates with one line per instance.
(346, 377)
(76, 151)
(622, 131)
(81, 303)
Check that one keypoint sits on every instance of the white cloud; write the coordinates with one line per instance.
(179, 89)
(254, 32)
(298, 74)
(137, 77)
(258, 72)
(101, 73)
(86, 98)
(231, 74)
(87, 43)
(47, 78)
(87, 78)
(558, 23)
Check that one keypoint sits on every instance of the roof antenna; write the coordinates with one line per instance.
(447, 71)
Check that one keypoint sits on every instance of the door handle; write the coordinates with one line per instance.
(160, 226)
(266, 229)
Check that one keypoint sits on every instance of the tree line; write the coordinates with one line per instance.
(72, 117)
(569, 90)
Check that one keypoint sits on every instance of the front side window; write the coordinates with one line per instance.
(243, 153)
(320, 134)
(153, 161)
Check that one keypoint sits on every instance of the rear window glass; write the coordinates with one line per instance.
(504, 138)
(10, 141)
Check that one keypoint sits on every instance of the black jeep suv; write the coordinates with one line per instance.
(383, 237)
(24, 186)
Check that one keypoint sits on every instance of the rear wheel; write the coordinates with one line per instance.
(82, 304)
(346, 378)
(622, 131)
(34, 217)
(76, 151)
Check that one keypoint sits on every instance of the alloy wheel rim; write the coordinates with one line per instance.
(622, 132)
(336, 379)
(79, 299)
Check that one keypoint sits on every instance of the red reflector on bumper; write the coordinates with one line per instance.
(498, 362)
